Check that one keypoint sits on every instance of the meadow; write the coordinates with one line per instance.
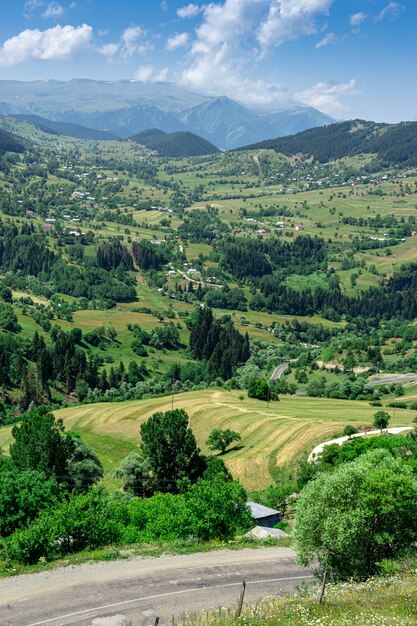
(272, 434)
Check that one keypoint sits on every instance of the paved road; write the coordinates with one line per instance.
(395, 378)
(135, 591)
(278, 371)
(341, 440)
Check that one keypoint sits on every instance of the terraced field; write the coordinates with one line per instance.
(271, 435)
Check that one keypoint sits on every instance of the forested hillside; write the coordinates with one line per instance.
(10, 142)
(392, 143)
(180, 144)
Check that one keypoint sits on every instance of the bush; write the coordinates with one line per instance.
(351, 519)
(398, 405)
(84, 521)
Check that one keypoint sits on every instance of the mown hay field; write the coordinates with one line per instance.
(271, 435)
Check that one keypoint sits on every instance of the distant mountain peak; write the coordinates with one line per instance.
(126, 107)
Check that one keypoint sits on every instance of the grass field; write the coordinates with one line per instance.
(271, 435)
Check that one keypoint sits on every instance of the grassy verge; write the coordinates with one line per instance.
(390, 600)
(145, 550)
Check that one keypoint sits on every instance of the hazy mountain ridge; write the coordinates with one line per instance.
(125, 108)
(392, 143)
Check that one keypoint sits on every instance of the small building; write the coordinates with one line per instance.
(299, 227)
(281, 224)
(263, 532)
(264, 516)
(48, 226)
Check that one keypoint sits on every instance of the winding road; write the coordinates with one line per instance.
(278, 371)
(341, 440)
(392, 379)
(136, 591)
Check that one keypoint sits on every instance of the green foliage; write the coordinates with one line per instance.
(135, 472)
(350, 430)
(83, 521)
(10, 142)
(83, 468)
(8, 319)
(39, 444)
(259, 389)
(209, 509)
(351, 519)
(170, 448)
(218, 343)
(22, 496)
(221, 439)
(381, 420)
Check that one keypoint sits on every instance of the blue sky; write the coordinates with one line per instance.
(349, 58)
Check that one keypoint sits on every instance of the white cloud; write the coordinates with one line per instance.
(327, 40)
(133, 41)
(391, 11)
(356, 19)
(164, 6)
(54, 11)
(162, 75)
(30, 7)
(235, 33)
(148, 74)
(144, 73)
(188, 11)
(177, 41)
(327, 97)
(130, 38)
(291, 19)
(109, 50)
(57, 43)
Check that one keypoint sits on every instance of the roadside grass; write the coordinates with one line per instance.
(145, 550)
(272, 435)
(381, 600)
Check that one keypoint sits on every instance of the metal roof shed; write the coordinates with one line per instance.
(263, 514)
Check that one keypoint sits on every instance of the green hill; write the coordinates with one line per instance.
(392, 143)
(65, 128)
(10, 142)
(180, 144)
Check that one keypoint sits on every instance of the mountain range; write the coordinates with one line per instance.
(124, 108)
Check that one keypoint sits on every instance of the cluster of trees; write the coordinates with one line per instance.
(218, 342)
(352, 518)
(395, 298)
(28, 255)
(10, 143)
(149, 256)
(162, 337)
(253, 258)
(202, 226)
(50, 506)
(113, 254)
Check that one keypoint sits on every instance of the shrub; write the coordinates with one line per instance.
(398, 405)
(351, 519)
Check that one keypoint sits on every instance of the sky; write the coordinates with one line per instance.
(348, 58)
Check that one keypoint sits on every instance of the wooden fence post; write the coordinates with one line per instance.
(240, 602)
(323, 587)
